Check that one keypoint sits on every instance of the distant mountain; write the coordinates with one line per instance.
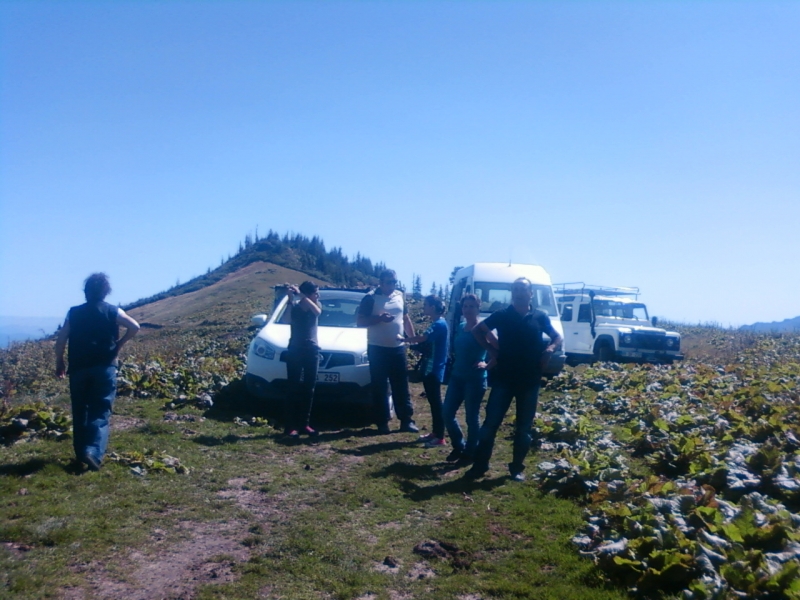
(17, 329)
(776, 326)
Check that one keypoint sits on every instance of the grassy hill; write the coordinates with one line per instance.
(227, 304)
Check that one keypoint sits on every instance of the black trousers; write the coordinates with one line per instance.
(388, 365)
(302, 365)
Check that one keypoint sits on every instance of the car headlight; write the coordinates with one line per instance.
(264, 350)
(627, 339)
(673, 343)
(364, 359)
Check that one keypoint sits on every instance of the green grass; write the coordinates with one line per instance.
(317, 519)
(278, 519)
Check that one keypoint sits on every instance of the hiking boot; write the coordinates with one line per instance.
(409, 427)
(294, 434)
(310, 432)
(455, 455)
(518, 477)
(425, 437)
(435, 442)
(383, 430)
(465, 460)
(476, 472)
(91, 462)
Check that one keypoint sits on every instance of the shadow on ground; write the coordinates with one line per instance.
(29, 467)
(408, 475)
(328, 412)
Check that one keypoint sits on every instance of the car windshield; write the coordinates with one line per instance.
(497, 296)
(620, 310)
(337, 310)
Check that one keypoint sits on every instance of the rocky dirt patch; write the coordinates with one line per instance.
(123, 422)
(206, 557)
(421, 570)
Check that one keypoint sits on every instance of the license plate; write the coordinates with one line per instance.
(327, 377)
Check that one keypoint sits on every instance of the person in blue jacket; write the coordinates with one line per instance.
(436, 339)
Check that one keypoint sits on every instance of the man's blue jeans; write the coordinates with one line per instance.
(93, 391)
(388, 366)
(497, 406)
(469, 391)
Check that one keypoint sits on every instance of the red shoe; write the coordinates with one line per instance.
(310, 432)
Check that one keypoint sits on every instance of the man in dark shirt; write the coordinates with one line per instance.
(517, 372)
(92, 330)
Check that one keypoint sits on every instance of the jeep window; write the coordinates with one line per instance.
(497, 296)
(621, 310)
(566, 312)
(585, 314)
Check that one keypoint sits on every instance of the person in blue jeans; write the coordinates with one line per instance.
(520, 356)
(91, 331)
(436, 340)
(467, 383)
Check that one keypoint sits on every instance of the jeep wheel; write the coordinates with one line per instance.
(604, 352)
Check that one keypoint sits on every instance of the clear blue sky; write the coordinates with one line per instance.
(619, 143)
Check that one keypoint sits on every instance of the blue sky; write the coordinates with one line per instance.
(620, 143)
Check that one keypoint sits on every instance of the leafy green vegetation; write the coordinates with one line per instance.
(650, 480)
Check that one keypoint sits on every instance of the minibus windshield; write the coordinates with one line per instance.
(496, 296)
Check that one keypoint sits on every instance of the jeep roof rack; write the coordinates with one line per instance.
(578, 287)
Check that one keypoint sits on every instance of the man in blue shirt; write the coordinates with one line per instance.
(520, 357)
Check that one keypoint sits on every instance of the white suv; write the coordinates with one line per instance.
(343, 364)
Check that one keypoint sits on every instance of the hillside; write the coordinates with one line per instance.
(228, 303)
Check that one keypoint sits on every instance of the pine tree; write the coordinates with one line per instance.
(416, 289)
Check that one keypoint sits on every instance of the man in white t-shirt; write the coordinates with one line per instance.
(383, 313)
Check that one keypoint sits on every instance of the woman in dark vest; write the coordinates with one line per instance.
(302, 358)
(92, 331)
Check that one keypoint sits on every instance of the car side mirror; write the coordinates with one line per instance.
(258, 320)
(654, 321)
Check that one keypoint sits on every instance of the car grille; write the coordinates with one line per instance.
(330, 360)
(650, 341)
